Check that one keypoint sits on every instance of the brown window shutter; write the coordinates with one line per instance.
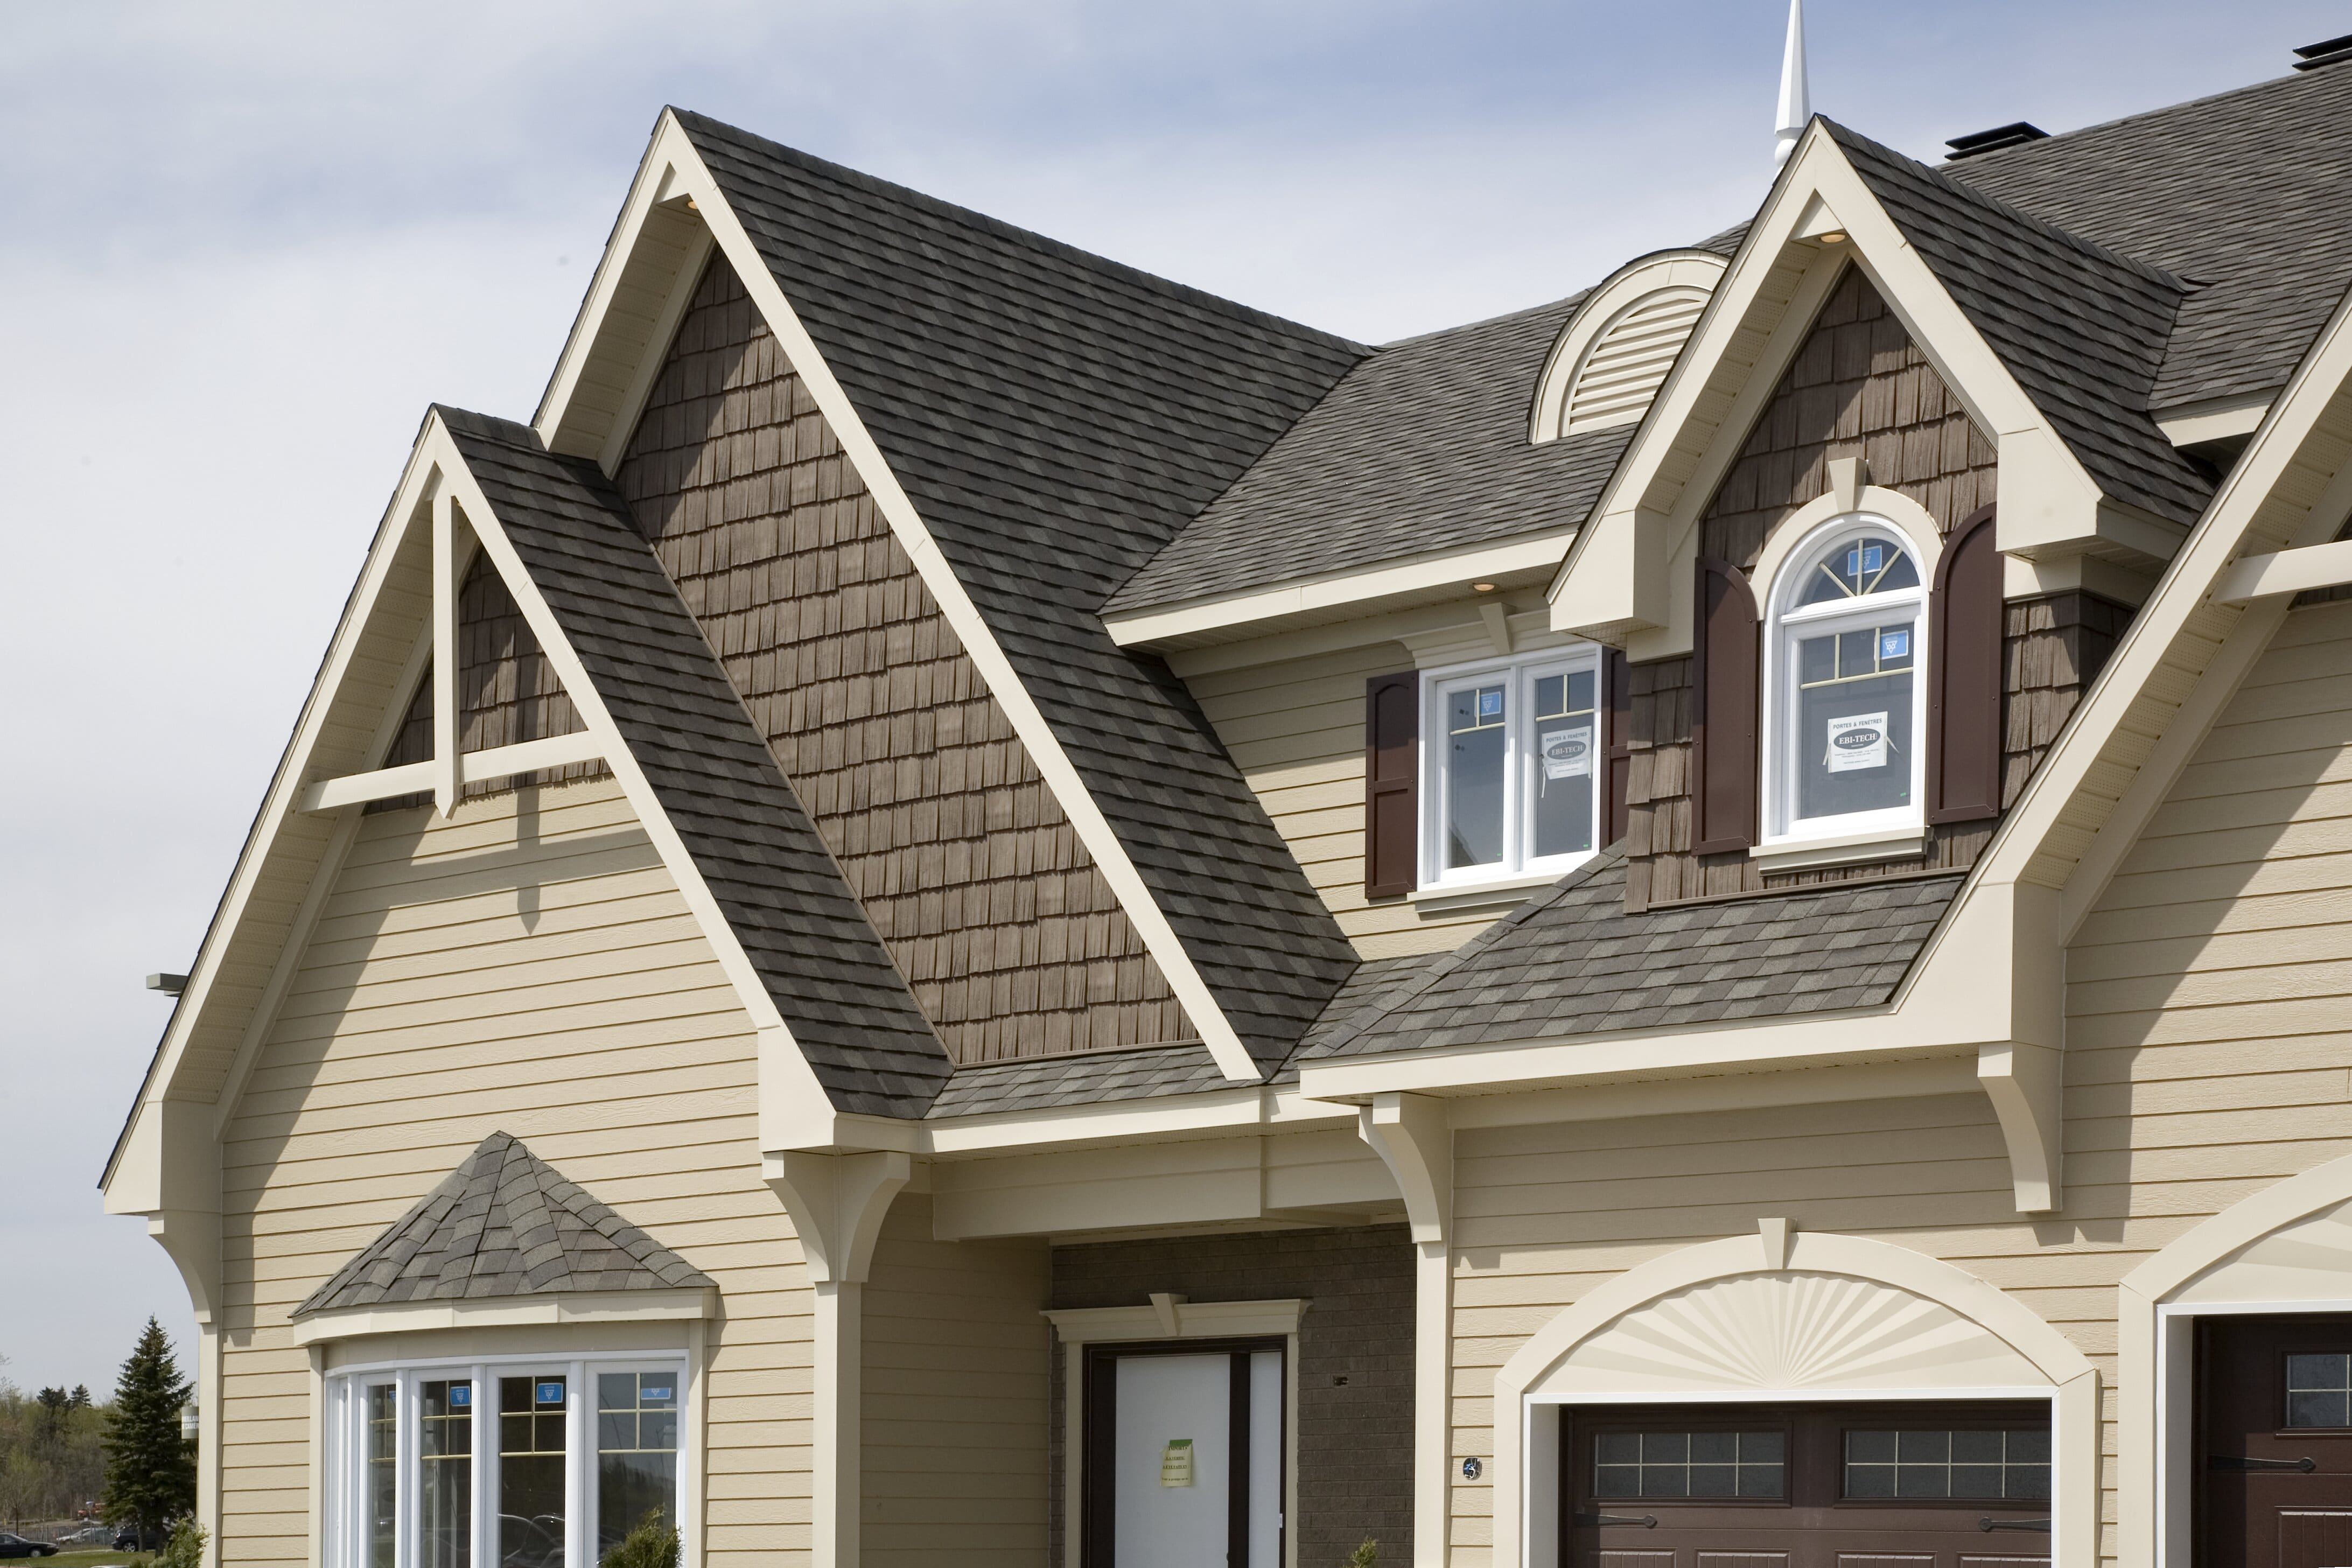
(1964, 665)
(1391, 778)
(1617, 742)
(1722, 728)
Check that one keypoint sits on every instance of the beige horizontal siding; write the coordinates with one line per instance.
(1295, 727)
(956, 1360)
(527, 966)
(2210, 1055)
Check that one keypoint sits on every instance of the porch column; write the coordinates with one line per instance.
(1412, 1134)
(837, 1203)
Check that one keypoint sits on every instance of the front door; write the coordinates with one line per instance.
(2274, 1441)
(1183, 1457)
(1808, 1486)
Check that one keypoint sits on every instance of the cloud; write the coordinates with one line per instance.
(249, 242)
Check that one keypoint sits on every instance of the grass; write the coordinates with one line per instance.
(89, 1559)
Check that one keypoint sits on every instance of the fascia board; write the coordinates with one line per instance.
(685, 173)
(1654, 498)
(651, 184)
(789, 1090)
(691, 1304)
(2098, 830)
(1193, 1320)
(1261, 611)
(413, 493)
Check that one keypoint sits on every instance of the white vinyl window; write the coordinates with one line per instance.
(516, 1464)
(1846, 709)
(1511, 768)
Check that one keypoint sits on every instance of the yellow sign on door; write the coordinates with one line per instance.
(1176, 1463)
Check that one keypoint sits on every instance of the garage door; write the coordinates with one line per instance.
(1808, 1486)
(2274, 1438)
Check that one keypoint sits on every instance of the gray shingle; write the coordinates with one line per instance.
(1055, 419)
(2083, 329)
(504, 1222)
(832, 978)
(1423, 446)
(1573, 962)
(2243, 192)
(1090, 1077)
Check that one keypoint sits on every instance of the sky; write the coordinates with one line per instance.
(247, 243)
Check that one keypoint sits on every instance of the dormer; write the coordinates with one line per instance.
(1615, 352)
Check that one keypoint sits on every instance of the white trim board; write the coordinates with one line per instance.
(691, 1303)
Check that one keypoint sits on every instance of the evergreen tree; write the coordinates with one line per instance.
(151, 1470)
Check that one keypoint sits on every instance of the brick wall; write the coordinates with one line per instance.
(1355, 1361)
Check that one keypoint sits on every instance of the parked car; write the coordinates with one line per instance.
(17, 1546)
(127, 1539)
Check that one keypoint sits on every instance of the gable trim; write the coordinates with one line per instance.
(1617, 583)
(682, 173)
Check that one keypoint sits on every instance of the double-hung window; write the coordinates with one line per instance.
(516, 1464)
(1845, 705)
(1511, 781)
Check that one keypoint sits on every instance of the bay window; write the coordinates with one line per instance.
(1511, 786)
(517, 1464)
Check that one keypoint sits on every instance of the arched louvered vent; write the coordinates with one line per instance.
(1624, 366)
(1615, 352)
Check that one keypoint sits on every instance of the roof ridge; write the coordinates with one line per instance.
(1569, 301)
(942, 207)
(1848, 136)
(2050, 141)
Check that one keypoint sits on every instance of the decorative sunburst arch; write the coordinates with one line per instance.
(1782, 1316)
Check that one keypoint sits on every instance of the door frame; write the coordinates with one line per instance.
(1172, 1325)
(1098, 1428)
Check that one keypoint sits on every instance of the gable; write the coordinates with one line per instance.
(971, 871)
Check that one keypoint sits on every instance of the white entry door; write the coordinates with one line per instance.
(1178, 1495)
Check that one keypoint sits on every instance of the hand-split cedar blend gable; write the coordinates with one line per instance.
(1006, 930)
(1858, 387)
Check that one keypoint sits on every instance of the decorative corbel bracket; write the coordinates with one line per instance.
(2027, 1086)
(1411, 1134)
(837, 1203)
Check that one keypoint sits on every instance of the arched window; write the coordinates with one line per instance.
(1844, 671)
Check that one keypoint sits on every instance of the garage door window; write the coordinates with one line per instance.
(1664, 1464)
(1959, 1464)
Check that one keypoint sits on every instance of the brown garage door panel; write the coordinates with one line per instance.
(1888, 1485)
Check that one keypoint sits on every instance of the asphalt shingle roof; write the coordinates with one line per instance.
(2082, 329)
(504, 1222)
(1037, 1083)
(2242, 193)
(1422, 448)
(1572, 961)
(832, 978)
(1056, 418)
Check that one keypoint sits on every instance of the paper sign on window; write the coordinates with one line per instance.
(1567, 753)
(1176, 1463)
(1856, 742)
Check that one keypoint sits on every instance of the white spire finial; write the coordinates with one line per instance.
(1796, 103)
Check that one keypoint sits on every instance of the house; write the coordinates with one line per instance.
(969, 907)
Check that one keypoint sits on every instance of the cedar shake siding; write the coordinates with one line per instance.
(1859, 387)
(1007, 933)
(1353, 1424)
(507, 692)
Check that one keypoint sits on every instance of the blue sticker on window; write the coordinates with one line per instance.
(1873, 556)
(650, 1392)
(1894, 645)
(461, 1396)
(1490, 703)
(550, 1393)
